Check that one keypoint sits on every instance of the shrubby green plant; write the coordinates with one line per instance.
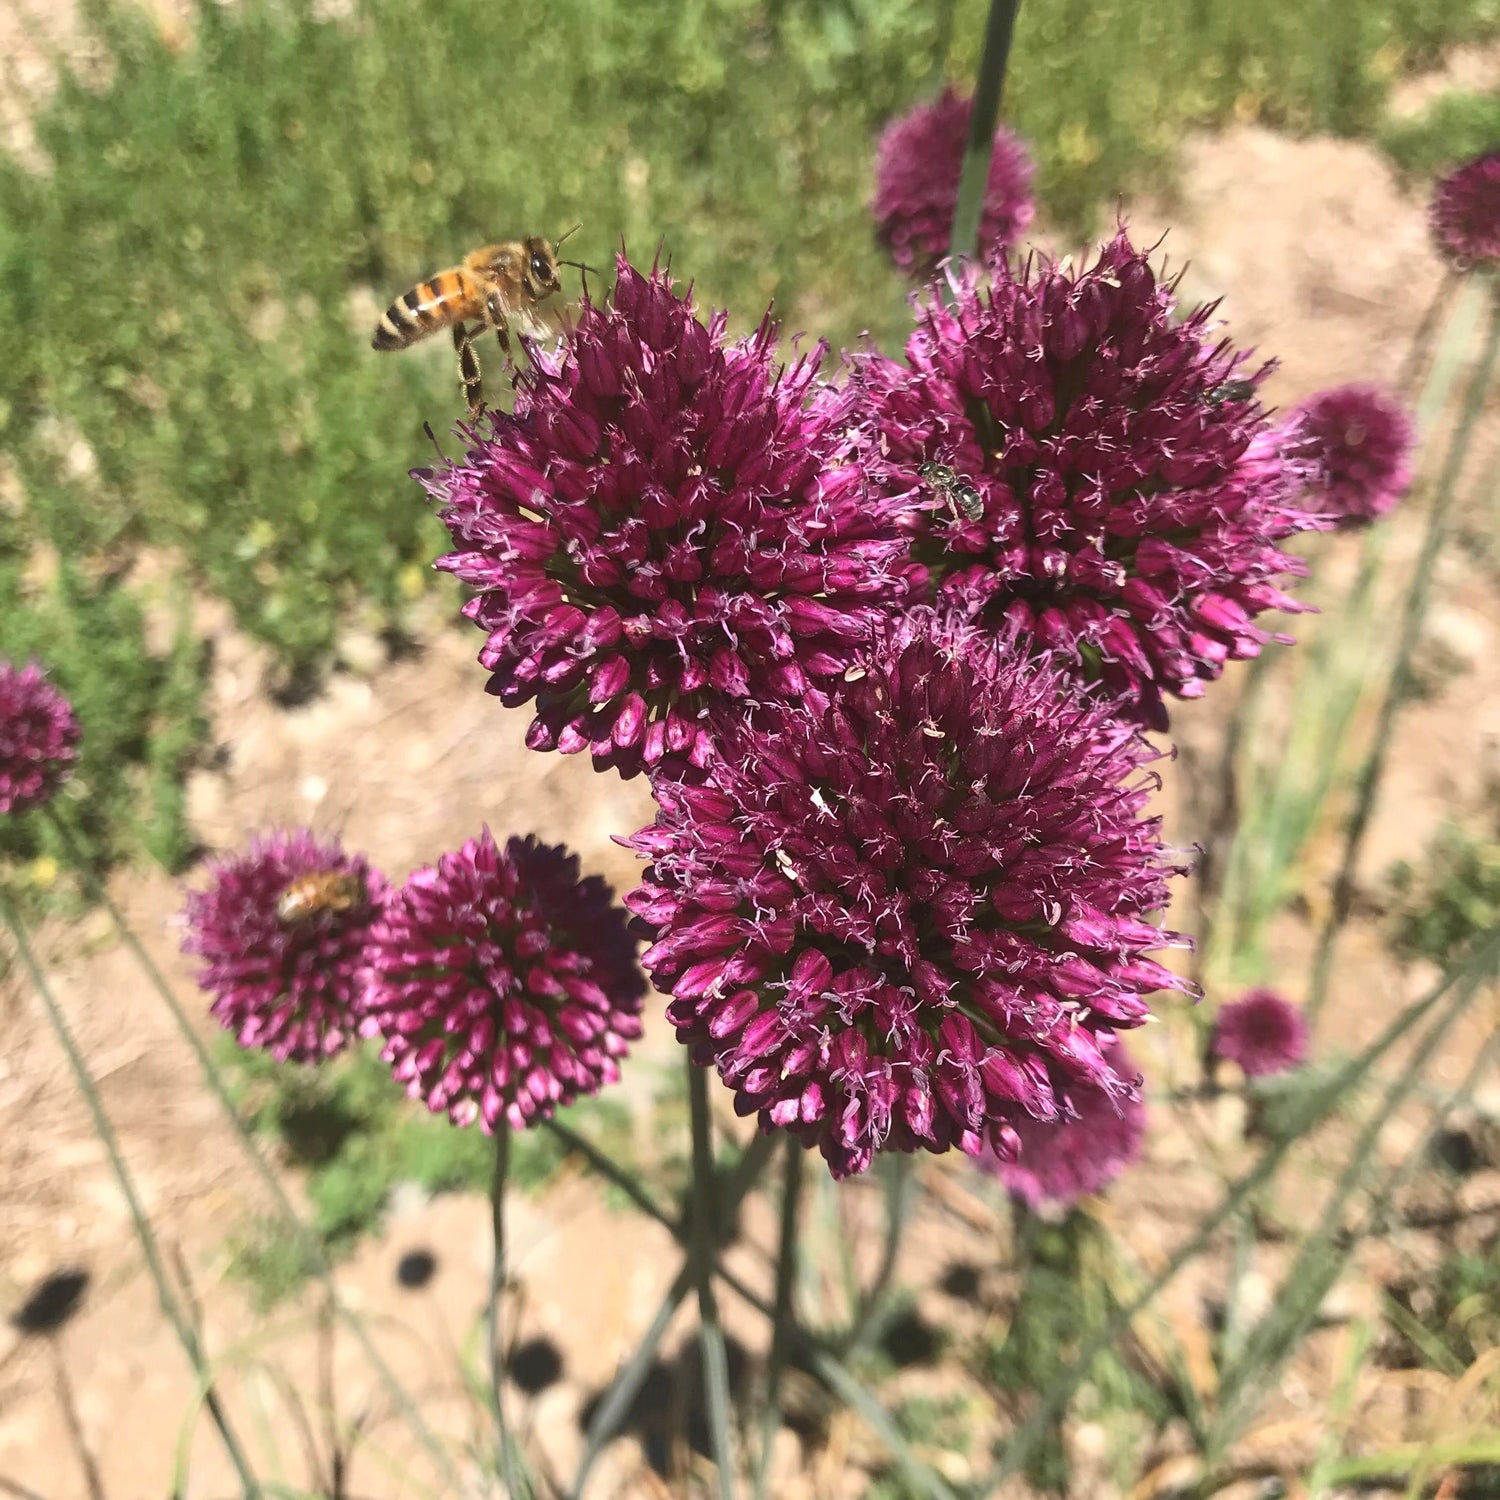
(1448, 899)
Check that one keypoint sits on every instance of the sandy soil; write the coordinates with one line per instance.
(1323, 262)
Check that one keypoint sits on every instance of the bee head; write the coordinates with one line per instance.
(539, 273)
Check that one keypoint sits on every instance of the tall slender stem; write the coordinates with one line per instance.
(899, 1193)
(783, 1326)
(508, 1468)
(984, 115)
(705, 1236)
(171, 1308)
(308, 1241)
(1398, 687)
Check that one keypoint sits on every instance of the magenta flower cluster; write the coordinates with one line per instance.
(1464, 214)
(1262, 1031)
(666, 519)
(914, 917)
(1129, 490)
(38, 738)
(285, 977)
(501, 984)
(918, 162)
(1357, 442)
(1098, 1135)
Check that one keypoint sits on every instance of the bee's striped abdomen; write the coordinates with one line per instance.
(448, 298)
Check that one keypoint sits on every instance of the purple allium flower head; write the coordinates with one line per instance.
(1061, 1161)
(917, 166)
(38, 738)
(1262, 1032)
(1464, 214)
(282, 929)
(1357, 441)
(1126, 490)
(668, 519)
(911, 916)
(502, 984)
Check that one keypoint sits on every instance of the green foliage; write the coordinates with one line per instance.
(1450, 898)
(1454, 129)
(931, 1425)
(139, 710)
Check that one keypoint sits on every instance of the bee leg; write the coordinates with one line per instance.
(468, 369)
(502, 333)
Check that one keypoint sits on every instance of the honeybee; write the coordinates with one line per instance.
(495, 285)
(322, 890)
(961, 496)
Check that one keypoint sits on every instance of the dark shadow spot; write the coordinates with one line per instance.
(296, 686)
(314, 1130)
(961, 1282)
(1457, 1151)
(400, 644)
(909, 1339)
(415, 1269)
(535, 1365)
(52, 1301)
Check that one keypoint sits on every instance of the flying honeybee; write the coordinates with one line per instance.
(495, 286)
(322, 890)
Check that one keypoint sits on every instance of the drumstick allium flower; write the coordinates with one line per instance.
(1358, 442)
(1129, 490)
(668, 520)
(1464, 213)
(1261, 1031)
(38, 738)
(911, 917)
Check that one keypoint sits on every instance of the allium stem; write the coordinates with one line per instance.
(783, 1327)
(705, 1233)
(900, 1192)
(1421, 339)
(514, 1484)
(171, 1308)
(982, 121)
(308, 1242)
(1319, 1105)
(1399, 684)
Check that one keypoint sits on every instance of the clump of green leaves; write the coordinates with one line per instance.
(1454, 129)
(1449, 898)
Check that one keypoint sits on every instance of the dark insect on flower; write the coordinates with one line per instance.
(322, 891)
(284, 984)
(1357, 442)
(38, 738)
(1231, 390)
(915, 916)
(962, 497)
(1081, 1153)
(1261, 1031)
(1131, 504)
(918, 163)
(502, 984)
(1464, 214)
(667, 521)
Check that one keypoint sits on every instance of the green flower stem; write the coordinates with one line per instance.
(514, 1484)
(980, 146)
(1399, 685)
(170, 1306)
(705, 1239)
(307, 1239)
(783, 1325)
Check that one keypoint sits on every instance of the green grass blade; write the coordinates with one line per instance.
(783, 1323)
(983, 117)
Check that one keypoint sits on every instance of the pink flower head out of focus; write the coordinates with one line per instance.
(1357, 442)
(669, 520)
(502, 984)
(917, 166)
(1261, 1031)
(38, 738)
(1464, 214)
(281, 928)
(1124, 492)
(913, 917)
(1098, 1135)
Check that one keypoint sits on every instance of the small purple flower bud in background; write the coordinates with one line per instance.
(282, 929)
(1464, 214)
(1357, 441)
(38, 738)
(918, 162)
(668, 520)
(1128, 491)
(502, 984)
(912, 917)
(1262, 1032)
(1080, 1154)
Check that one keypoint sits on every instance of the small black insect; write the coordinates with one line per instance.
(964, 499)
(1230, 390)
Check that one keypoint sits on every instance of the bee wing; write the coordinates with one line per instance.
(547, 322)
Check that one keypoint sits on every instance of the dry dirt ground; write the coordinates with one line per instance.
(1323, 262)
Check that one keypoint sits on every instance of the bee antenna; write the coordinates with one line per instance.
(432, 438)
(574, 230)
